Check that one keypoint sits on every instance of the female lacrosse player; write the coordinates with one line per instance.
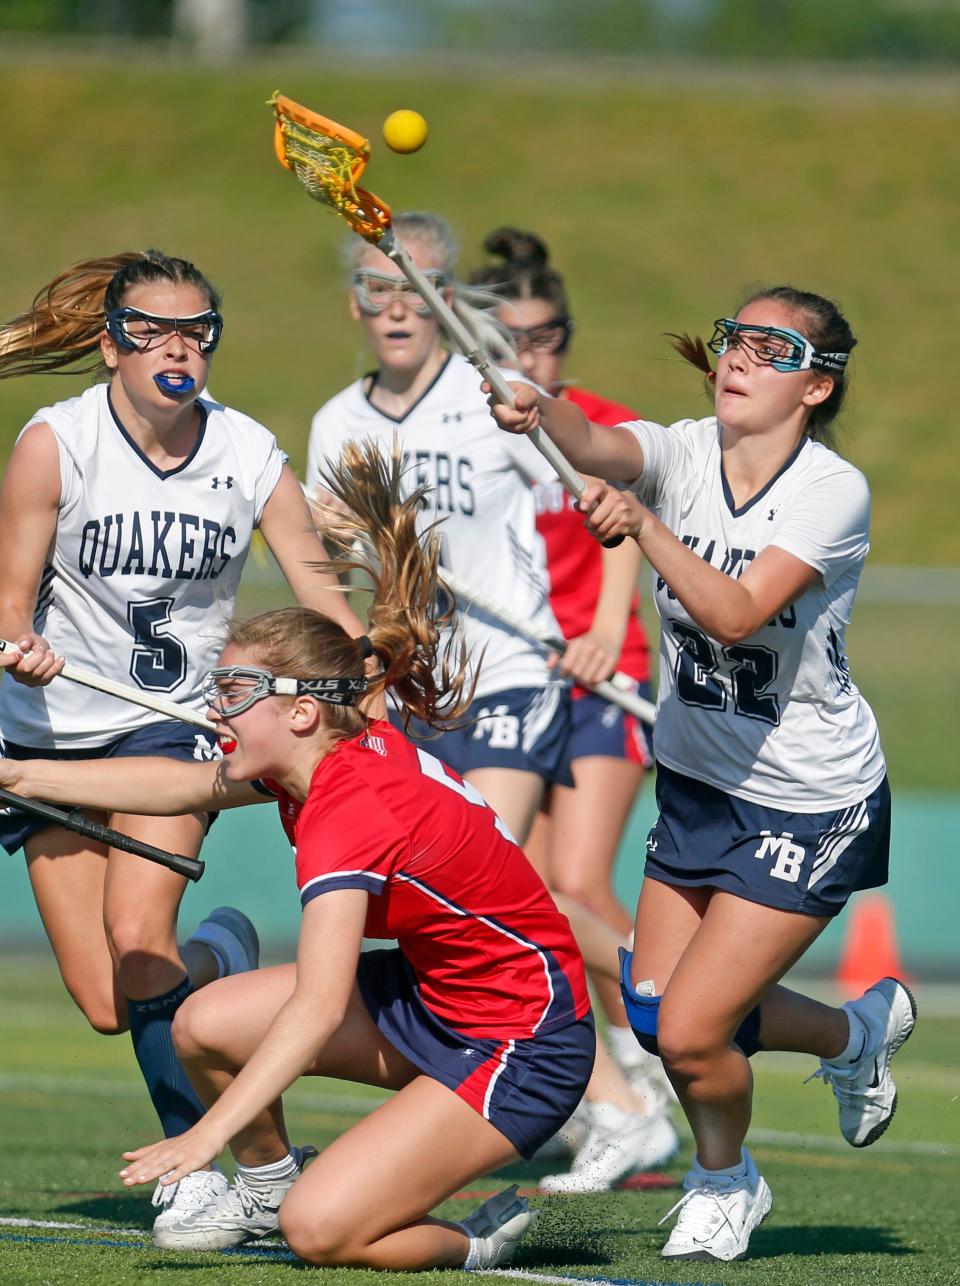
(125, 519)
(430, 400)
(577, 833)
(479, 1019)
(772, 789)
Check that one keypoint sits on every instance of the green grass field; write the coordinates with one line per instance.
(70, 1102)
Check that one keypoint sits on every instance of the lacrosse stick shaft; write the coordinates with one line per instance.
(126, 693)
(617, 689)
(465, 342)
(191, 867)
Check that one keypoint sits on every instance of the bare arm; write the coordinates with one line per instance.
(597, 449)
(330, 937)
(727, 609)
(29, 504)
(149, 786)
(593, 656)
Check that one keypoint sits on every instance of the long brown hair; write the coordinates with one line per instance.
(62, 327)
(424, 669)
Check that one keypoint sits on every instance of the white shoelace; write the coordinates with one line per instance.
(700, 1222)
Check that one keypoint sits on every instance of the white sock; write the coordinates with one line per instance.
(285, 1168)
(472, 1261)
(856, 1041)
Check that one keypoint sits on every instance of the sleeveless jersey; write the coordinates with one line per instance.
(144, 568)
(575, 559)
(491, 953)
(775, 719)
(481, 494)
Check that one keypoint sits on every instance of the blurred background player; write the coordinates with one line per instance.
(429, 399)
(771, 784)
(125, 518)
(479, 1019)
(577, 832)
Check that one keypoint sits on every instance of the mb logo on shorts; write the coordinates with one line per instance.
(786, 856)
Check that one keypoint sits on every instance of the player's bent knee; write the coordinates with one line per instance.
(643, 1012)
(192, 1026)
(312, 1236)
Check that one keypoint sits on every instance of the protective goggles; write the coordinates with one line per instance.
(135, 330)
(230, 689)
(376, 290)
(779, 347)
(550, 338)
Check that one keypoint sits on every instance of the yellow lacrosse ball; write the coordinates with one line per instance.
(405, 131)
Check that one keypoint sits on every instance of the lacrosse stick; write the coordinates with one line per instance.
(328, 159)
(618, 689)
(191, 867)
(125, 693)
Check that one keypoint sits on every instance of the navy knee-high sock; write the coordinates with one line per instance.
(151, 1022)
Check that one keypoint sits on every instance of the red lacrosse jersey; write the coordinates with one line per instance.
(574, 558)
(492, 954)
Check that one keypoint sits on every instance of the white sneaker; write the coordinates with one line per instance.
(644, 1071)
(241, 1212)
(230, 935)
(497, 1228)
(178, 1201)
(864, 1088)
(717, 1214)
(619, 1144)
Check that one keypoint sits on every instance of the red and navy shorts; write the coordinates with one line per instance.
(526, 1088)
(600, 729)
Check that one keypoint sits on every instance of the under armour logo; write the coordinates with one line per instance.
(221, 482)
(450, 417)
(651, 845)
(770, 513)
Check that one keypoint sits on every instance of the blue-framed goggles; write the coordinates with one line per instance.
(230, 689)
(776, 346)
(137, 331)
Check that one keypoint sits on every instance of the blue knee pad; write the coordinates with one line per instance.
(644, 1011)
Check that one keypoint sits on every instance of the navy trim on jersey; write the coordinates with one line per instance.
(162, 473)
(329, 883)
(399, 419)
(728, 494)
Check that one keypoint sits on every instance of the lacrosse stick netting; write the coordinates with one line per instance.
(327, 160)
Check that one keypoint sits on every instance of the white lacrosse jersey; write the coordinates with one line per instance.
(480, 480)
(775, 719)
(144, 568)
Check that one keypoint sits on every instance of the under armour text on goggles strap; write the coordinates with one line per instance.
(132, 328)
(230, 689)
(776, 346)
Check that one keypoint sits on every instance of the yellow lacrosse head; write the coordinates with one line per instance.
(327, 159)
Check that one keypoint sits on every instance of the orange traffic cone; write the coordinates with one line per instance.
(870, 950)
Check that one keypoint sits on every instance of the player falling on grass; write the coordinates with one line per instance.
(774, 804)
(575, 837)
(125, 518)
(479, 1019)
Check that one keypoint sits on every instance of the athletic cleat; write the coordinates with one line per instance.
(497, 1227)
(619, 1144)
(717, 1214)
(230, 935)
(243, 1211)
(864, 1089)
(178, 1201)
